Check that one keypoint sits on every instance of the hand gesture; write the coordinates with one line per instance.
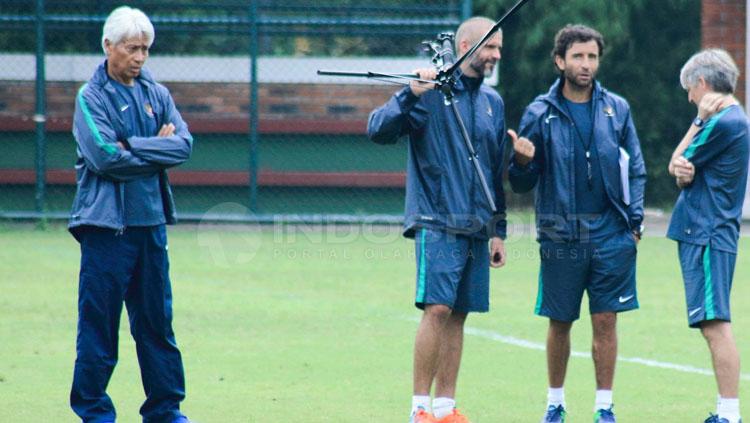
(684, 171)
(419, 88)
(497, 252)
(167, 130)
(522, 147)
(711, 103)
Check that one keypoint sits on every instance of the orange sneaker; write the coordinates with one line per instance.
(454, 417)
(422, 416)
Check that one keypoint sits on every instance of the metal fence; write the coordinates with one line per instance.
(272, 138)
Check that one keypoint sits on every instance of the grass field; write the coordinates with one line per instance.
(317, 325)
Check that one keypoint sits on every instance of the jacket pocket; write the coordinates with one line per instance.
(87, 190)
(431, 192)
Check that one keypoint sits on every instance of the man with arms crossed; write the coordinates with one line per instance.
(446, 211)
(127, 131)
(579, 148)
(710, 165)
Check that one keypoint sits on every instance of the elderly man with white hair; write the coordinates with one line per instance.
(128, 132)
(710, 165)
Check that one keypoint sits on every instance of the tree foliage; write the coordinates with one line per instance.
(220, 27)
(647, 43)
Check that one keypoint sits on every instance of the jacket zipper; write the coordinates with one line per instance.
(121, 190)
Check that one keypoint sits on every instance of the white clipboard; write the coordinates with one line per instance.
(625, 175)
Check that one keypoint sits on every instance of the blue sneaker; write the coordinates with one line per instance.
(713, 418)
(604, 416)
(555, 414)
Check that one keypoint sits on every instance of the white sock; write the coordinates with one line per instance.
(729, 408)
(420, 401)
(556, 396)
(442, 406)
(603, 399)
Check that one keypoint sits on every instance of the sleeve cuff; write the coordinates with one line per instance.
(518, 169)
(127, 144)
(406, 99)
(501, 229)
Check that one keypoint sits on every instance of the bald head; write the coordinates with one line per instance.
(471, 31)
(482, 62)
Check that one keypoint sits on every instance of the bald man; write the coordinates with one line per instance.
(457, 235)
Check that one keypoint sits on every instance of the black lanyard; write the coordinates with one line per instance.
(586, 147)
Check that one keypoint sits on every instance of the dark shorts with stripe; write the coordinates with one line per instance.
(452, 270)
(605, 269)
(707, 274)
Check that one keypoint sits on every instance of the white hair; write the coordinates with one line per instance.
(715, 66)
(126, 22)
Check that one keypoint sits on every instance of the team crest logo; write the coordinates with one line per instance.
(609, 111)
(148, 109)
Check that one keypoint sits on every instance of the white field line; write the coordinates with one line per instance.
(518, 342)
(510, 340)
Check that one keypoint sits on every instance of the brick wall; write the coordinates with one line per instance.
(723, 25)
(282, 101)
(208, 106)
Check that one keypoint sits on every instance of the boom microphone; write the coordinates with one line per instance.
(446, 50)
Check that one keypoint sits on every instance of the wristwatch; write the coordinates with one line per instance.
(698, 122)
(638, 232)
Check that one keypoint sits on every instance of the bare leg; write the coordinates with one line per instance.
(604, 348)
(558, 351)
(427, 346)
(449, 360)
(726, 359)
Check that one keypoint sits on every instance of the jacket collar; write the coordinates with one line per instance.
(554, 95)
(465, 83)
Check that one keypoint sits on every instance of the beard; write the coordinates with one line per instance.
(481, 67)
(572, 79)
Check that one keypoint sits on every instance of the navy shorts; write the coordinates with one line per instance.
(707, 274)
(452, 270)
(605, 269)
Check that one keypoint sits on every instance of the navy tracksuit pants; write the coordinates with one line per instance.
(133, 268)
